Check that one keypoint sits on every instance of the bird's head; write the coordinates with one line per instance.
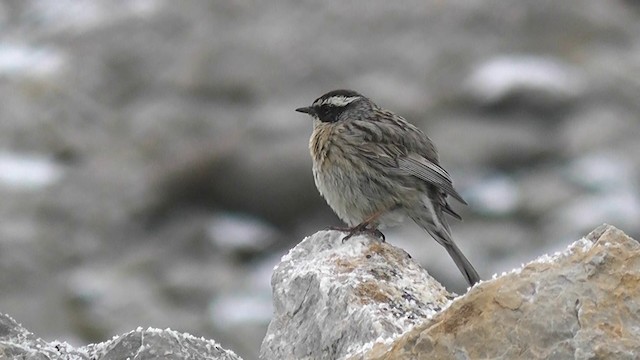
(328, 107)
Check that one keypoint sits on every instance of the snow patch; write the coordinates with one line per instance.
(28, 172)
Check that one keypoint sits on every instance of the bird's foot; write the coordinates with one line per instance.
(377, 233)
(363, 229)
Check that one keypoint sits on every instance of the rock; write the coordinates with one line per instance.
(233, 233)
(606, 190)
(495, 195)
(621, 206)
(578, 304)
(18, 343)
(544, 189)
(333, 297)
(23, 61)
(366, 299)
(28, 172)
(597, 125)
(529, 80)
(233, 178)
(156, 343)
(496, 140)
(602, 171)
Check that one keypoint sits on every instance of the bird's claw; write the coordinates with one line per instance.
(357, 230)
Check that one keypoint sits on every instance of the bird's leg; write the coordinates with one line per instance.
(339, 228)
(363, 227)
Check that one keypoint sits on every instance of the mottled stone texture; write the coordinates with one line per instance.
(333, 298)
(365, 299)
(18, 343)
(583, 303)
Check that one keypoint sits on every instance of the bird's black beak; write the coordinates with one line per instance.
(306, 110)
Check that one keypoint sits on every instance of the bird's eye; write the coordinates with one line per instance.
(329, 113)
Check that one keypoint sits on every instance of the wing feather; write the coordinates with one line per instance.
(404, 150)
(430, 172)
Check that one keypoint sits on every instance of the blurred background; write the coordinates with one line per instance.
(153, 171)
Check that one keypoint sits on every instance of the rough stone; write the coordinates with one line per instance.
(18, 343)
(578, 304)
(543, 82)
(503, 142)
(598, 125)
(332, 298)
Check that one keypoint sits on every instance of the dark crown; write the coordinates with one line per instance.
(339, 97)
(340, 92)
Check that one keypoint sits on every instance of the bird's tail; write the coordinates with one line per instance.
(442, 235)
(468, 271)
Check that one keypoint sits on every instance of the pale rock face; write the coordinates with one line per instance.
(17, 342)
(577, 304)
(333, 299)
(364, 299)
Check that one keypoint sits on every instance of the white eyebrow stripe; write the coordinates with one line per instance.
(338, 101)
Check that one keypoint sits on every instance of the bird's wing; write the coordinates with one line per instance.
(405, 150)
(430, 172)
(395, 160)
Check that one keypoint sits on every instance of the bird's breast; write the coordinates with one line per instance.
(353, 189)
(319, 144)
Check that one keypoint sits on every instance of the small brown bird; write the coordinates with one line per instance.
(375, 169)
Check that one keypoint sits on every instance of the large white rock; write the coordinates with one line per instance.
(333, 298)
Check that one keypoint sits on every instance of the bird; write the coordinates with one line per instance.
(375, 170)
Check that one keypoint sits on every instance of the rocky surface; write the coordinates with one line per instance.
(139, 138)
(18, 343)
(331, 298)
(365, 299)
(581, 303)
